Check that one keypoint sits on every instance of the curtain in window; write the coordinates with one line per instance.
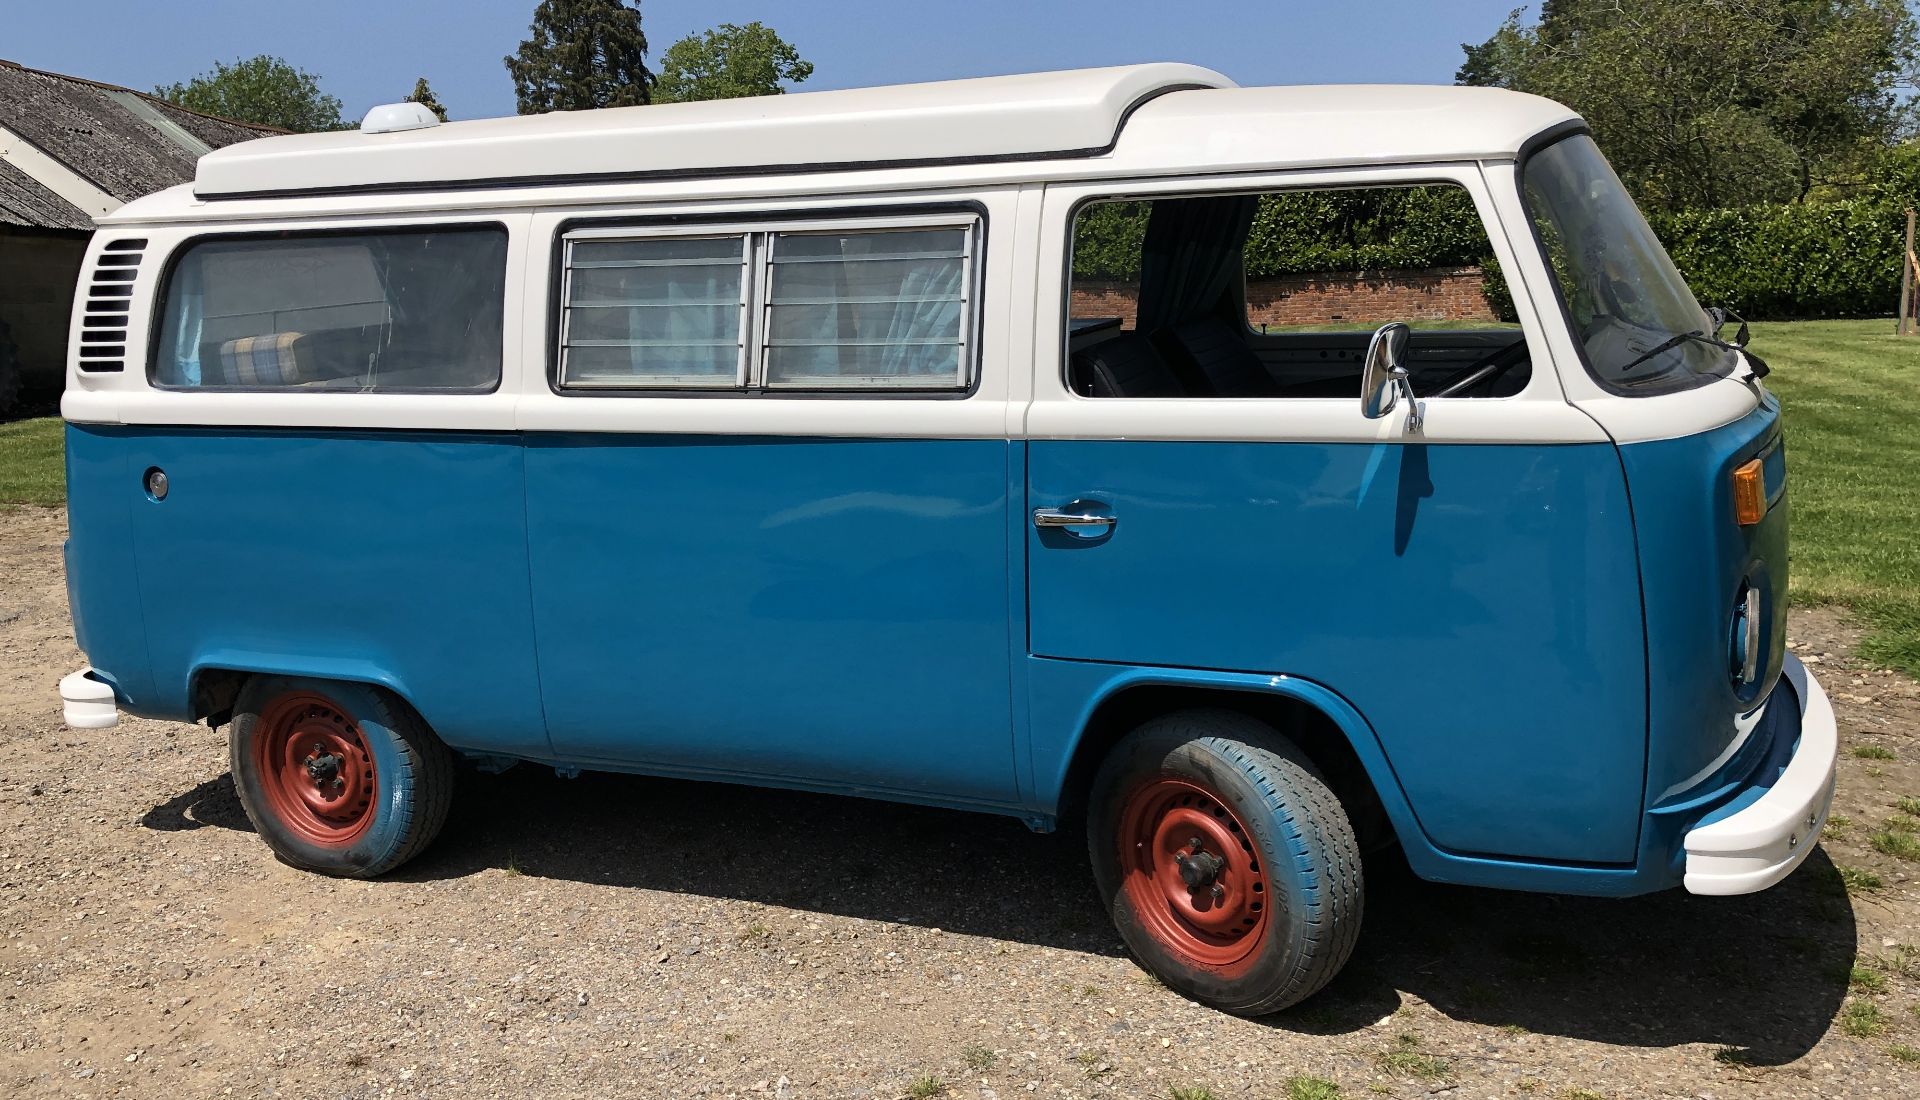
(1190, 257)
(187, 321)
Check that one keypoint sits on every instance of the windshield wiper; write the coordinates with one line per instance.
(1675, 341)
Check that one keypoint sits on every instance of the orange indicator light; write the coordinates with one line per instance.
(1749, 494)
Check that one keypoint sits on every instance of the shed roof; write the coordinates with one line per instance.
(25, 201)
(115, 138)
(1024, 117)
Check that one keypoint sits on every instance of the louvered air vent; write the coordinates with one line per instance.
(103, 326)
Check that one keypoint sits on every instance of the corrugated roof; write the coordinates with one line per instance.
(78, 123)
(24, 202)
(216, 132)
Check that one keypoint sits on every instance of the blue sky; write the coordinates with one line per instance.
(368, 52)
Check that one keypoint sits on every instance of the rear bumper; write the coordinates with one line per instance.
(87, 701)
(1761, 843)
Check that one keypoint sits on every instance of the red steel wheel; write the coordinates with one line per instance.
(1192, 875)
(316, 770)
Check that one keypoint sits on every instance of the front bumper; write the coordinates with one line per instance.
(1765, 840)
(87, 701)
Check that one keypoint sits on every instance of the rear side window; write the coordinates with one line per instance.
(882, 308)
(416, 312)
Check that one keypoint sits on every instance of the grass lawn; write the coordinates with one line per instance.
(32, 465)
(1852, 395)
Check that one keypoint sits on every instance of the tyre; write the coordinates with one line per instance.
(339, 778)
(1228, 865)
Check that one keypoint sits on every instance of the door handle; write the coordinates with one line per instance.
(1059, 517)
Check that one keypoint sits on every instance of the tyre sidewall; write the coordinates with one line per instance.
(394, 779)
(1291, 873)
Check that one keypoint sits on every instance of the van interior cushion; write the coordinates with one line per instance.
(271, 360)
(1126, 366)
(1222, 360)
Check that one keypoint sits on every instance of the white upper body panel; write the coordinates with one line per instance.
(989, 132)
(982, 141)
(993, 118)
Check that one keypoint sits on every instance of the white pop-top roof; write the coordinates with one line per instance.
(1032, 116)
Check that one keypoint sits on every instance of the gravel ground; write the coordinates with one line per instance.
(619, 936)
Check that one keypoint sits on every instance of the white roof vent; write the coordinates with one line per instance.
(391, 118)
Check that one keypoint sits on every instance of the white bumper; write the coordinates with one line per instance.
(1762, 844)
(87, 701)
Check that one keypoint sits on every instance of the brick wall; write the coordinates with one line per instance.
(1437, 294)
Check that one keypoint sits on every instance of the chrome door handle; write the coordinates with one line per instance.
(1054, 517)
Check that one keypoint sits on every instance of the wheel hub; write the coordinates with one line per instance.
(323, 768)
(1192, 874)
(1199, 867)
(315, 769)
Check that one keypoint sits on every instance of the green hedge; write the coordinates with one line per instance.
(1817, 259)
(1310, 231)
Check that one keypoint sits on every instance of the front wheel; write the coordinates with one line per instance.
(1228, 865)
(339, 778)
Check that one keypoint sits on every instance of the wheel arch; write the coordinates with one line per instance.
(215, 681)
(1330, 731)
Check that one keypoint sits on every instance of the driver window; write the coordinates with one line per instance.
(1276, 294)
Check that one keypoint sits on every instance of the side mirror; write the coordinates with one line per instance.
(1718, 316)
(1384, 378)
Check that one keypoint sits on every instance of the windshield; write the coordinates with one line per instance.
(1622, 294)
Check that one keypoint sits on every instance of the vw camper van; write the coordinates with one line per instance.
(981, 444)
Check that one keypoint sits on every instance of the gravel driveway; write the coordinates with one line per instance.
(619, 936)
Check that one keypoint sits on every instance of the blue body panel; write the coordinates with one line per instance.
(1066, 693)
(396, 557)
(1694, 556)
(832, 611)
(1480, 605)
(880, 617)
(103, 588)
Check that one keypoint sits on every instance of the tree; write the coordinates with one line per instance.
(423, 95)
(1702, 104)
(581, 54)
(260, 89)
(728, 62)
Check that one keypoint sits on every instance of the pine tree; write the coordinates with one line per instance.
(423, 95)
(581, 54)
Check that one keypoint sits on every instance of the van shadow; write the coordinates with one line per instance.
(1762, 974)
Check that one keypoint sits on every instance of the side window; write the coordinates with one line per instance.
(1276, 294)
(667, 312)
(800, 308)
(413, 311)
(867, 310)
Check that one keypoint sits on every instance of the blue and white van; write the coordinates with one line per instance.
(957, 443)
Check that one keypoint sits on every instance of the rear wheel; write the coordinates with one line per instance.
(1228, 865)
(338, 778)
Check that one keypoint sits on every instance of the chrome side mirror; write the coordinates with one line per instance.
(1383, 376)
